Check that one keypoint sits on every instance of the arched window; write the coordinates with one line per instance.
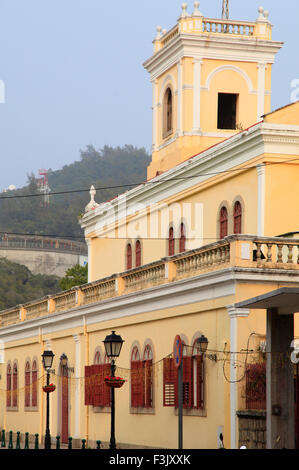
(34, 384)
(138, 253)
(171, 242)
(237, 217)
(182, 246)
(137, 397)
(27, 385)
(167, 113)
(97, 357)
(148, 376)
(193, 380)
(8, 386)
(15, 385)
(129, 256)
(198, 376)
(223, 222)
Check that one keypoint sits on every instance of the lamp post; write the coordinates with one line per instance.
(113, 344)
(47, 358)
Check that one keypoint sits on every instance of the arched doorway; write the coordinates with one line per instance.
(64, 398)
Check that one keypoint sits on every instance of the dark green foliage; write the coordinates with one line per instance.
(18, 285)
(74, 277)
(102, 168)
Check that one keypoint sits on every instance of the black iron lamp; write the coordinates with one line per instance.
(113, 344)
(47, 359)
(203, 342)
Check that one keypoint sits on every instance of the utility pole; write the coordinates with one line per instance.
(225, 9)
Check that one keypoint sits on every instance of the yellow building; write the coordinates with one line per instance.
(172, 257)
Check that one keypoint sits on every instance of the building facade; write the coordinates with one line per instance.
(214, 224)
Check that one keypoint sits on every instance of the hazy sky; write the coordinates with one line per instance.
(73, 73)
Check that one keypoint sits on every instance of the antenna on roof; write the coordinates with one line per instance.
(225, 9)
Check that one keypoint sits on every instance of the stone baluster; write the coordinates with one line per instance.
(279, 252)
(269, 253)
(290, 253)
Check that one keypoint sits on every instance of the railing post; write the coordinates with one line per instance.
(83, 443)
(98, 444)
(26, 440)
(18, 446)
(170, 270)
(70, 445)
(57, 442)
(3, 443)
(10, 444)
(36, 441)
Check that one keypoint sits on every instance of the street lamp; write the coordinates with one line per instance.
(113, 344)
(47, 358)
(203, 346)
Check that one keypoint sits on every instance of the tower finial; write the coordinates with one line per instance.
(196, 11)
(92, 204)
(184, 10)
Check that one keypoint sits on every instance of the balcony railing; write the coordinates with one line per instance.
(244, 251)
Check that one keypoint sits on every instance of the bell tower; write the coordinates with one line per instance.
(211, 79)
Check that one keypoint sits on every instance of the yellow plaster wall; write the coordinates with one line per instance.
(281, 209)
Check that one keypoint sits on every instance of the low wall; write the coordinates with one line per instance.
(252, 429)
(44, 262)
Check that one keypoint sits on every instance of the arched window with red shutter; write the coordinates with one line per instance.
(8, 386)
(237, 217)
(138, 253)
(171, 242)
(182, 244)
(27, 385)
(129, 256)
(198, 376)
(223, 222)
(15, 385)
(148, 376)
(34, 384)
(137, 379)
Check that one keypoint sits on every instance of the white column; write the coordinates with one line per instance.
(154, 115)
(180, 98)
(196, 94)
(261, 90)
(88, 242)
(77, 386)
(234, 314)
(260, 199)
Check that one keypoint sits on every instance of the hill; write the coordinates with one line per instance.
(18, 285)
(107, 167)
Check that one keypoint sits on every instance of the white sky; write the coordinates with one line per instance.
(73, 73)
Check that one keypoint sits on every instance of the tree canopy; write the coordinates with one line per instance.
(74, 276)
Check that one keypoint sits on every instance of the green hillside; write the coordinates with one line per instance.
(18, 285)
(106, 167)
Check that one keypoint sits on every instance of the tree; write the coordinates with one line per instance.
(74, 276)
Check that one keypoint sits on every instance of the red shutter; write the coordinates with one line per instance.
(8, 387)
(187, 382)
(137, 384)
(15, 387)
(34, 388)
(98, 385)
(170, 382)
(27, 386)
(87, 385)
(148, 389)
(237, 217)
(223, 222)
(200, 382)
(106, 389)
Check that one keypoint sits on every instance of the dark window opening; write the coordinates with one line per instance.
(227, 111)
